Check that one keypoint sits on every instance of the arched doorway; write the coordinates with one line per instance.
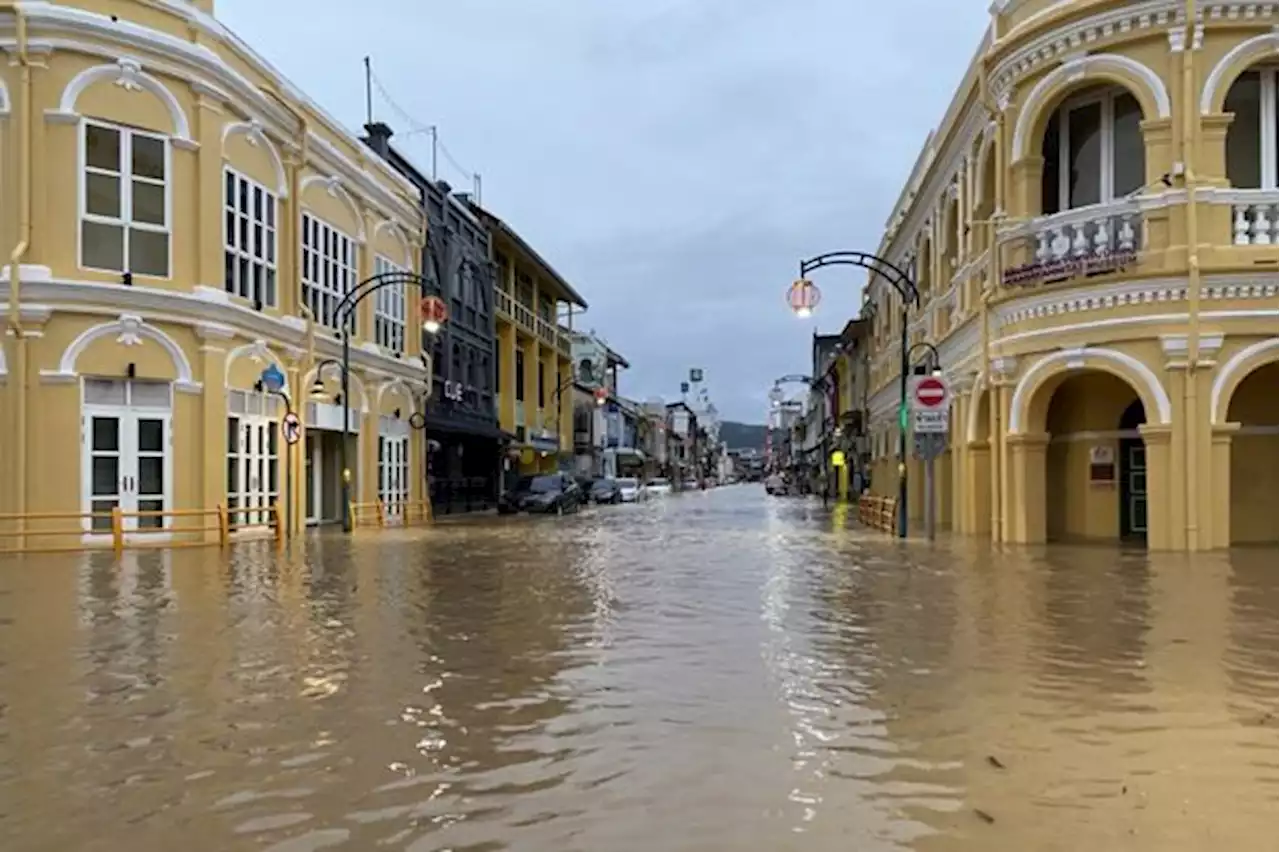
(1254, 457)
(1095, 464)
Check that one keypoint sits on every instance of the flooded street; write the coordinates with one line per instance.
(712, 671)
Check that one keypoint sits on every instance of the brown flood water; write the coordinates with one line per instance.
(719, 671)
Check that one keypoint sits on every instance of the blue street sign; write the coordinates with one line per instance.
(272, 378)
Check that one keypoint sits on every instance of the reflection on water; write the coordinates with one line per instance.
(713, 671)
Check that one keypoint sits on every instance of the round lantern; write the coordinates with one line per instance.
(434, 313)
(803, 297)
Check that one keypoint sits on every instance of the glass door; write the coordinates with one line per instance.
(1137, 488)
(252, 469)
(127, 466)
(393, 475)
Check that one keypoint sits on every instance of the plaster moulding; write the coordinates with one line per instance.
(204, 316)
(126, 73)
(91, 34)
(254, 133)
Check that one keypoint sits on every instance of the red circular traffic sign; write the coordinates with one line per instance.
(931, 392)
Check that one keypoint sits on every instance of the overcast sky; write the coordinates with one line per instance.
(673, 159)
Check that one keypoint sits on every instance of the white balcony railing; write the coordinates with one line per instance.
(1098, 238)
(1255, 216)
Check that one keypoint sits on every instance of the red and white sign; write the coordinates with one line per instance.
(930, 399)
(929, 393)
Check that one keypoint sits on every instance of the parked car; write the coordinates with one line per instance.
(606, 491)
(631, 489)
(657, 487)
(548, 494)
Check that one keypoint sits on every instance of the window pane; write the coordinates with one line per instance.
(102, 246)
(102, 195)
(102, 147)
(150, 475)
(149, 252)
(148, 203)
(1129, 162)
(105, 475)
(101, 514)
(1244, 135)
(151, 436)
(106, 434)
(1084, 155)
(1049, 202)
(155, 521)
(148, 157)
(233, 475)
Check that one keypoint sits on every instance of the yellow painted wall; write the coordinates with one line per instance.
(210, 121)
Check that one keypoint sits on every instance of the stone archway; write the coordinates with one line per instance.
(1082, 431)
(1251, 494)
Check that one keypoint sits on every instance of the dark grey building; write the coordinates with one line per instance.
(464, 440)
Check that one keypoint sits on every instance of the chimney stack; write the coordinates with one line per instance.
(379, 138)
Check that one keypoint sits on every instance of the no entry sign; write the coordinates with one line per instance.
(930, 399)
(930, 392)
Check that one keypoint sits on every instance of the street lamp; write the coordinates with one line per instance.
(909, 295)
(434, 313)
(932, 363)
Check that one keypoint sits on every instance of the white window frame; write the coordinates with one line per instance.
(263, 251)
(324, 275)
(126, 177)
(1106, 159)
(390, 309)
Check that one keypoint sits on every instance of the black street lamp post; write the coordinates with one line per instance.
(345, 313)
(909, 294)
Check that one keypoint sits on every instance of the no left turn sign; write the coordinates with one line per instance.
(291, 428)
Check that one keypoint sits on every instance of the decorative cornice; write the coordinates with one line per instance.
(202, 311)
(200, 66)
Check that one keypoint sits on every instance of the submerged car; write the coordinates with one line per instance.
(657, 487)
(630, 489)
(606, 491)
(548, 494)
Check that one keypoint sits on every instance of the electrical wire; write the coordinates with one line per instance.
(417, 128)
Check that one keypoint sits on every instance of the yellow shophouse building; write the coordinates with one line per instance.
(1093, 228)
(535, 387)
(177, 218)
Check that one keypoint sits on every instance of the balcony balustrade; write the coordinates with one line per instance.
(1084, 241)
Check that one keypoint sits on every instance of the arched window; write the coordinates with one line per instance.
(1093, 150)
(456, 373)
(1252, 154)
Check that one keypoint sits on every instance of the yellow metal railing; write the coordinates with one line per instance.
(70, 532)
(391, 514)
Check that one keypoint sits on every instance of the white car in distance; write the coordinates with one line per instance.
(657, 487)
(630, 489)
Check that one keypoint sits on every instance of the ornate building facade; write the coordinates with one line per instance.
(178, 219)
(1093, 230)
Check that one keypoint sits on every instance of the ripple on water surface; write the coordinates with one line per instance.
(711, 671)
